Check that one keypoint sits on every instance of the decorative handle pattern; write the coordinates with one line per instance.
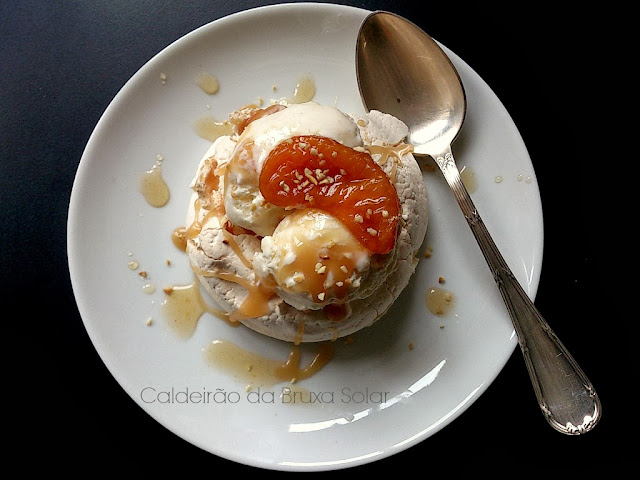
(565, 395)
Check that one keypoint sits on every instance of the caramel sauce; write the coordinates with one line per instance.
(292, 370)
(325, 269)
(209, 129)
(468, 178)
(395, 152)
(208, 83)
(386, 151)
(438, 300)
(305, 90)
(256, 304)
(193, 230)
(299, 333)
(230, 240)
(183, 306)
(256, 369)
(179, 238)
(153, 187)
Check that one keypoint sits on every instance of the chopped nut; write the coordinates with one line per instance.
(284, 186)
(312, 179)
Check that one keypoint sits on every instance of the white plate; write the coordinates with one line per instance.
(110, 224)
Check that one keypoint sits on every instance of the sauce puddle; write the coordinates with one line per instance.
(438, 300)
(255, 369)
(183, 306)
(153, 187)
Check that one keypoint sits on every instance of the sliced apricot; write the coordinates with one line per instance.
(311, 171)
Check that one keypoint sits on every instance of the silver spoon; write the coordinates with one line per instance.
(402, 71)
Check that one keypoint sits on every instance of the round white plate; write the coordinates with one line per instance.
(377, 396)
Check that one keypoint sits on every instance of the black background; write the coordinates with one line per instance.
(62, 62)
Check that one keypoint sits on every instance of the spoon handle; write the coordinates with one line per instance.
(565, 395)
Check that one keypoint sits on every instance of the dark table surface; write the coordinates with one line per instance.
(61, 63)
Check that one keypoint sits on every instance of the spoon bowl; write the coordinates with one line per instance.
(402, 71)
(435, 111)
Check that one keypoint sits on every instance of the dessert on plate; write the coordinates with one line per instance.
(304, 224)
